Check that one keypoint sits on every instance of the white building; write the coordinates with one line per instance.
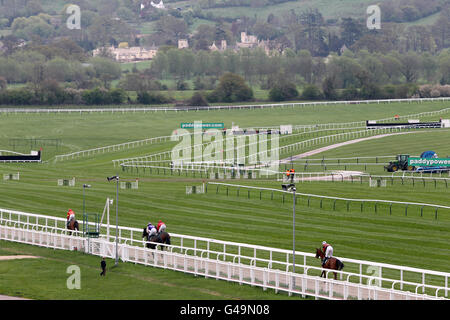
(183, 43)
(129, 54)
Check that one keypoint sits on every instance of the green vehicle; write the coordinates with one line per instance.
(400, 164)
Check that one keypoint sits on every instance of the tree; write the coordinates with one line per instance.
(198, 100)
(352, 30)
(328, 88)
(232, 88)
(409, 66)
(283, 91)
(311, 92)
(39, 26)
(106, 70)
(3, 83)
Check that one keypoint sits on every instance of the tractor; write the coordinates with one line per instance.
(400, 164)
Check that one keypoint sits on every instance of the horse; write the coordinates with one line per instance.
(161, 237)
(332, 263)
(73, 225)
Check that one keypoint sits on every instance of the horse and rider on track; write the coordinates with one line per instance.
(328, 261)
(72, 223)
(156, 234)
(151, 233)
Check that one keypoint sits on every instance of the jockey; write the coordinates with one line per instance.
(288, 173)
(151, 230)
(70, 216)
(161, 226)
(327, 249)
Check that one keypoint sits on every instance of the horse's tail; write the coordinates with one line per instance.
(340, 265)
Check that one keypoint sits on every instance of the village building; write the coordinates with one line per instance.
(223, 46)
(252, 42)
(129, 54)
(183, 43)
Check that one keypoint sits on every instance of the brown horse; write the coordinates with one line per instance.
(332, 263)
(73, 225)
(162, 237)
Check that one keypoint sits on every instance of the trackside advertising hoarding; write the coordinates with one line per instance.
(429, 162)
(200, 125)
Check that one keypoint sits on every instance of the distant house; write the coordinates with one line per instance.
(129, 54)
(160, 5)
(148, 4)
(183, 43)
(343, 49)
(223, 46)
(247, 41)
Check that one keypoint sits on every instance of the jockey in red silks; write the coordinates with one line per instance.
(161, 226)
(327, 250)
(70, 216)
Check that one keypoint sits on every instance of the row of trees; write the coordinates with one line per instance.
(63, 61)
(231, 88)
(350, 69)
(50, 93)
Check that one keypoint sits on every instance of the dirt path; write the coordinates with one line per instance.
(3, 258)
(338, 145)
(11, 298)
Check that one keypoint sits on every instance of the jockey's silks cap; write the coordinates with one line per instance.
(71, 211)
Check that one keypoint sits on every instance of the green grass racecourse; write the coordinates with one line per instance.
(412, 240)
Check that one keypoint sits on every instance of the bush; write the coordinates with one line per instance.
(73, 96)
(434, 91)
(371, 91)
(350, 94)
(311, 92)
(329, 91)
(283, 91)
(3, 83)
(198, 100)
(117, 96)
(182, 86)
(17, 97)
(151, 98)
(232, 88)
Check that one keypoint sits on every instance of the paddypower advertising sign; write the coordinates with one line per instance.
(429, 162)
(192, 125)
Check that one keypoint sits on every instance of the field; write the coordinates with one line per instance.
(412, 240)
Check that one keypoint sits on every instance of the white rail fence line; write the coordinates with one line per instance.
(267, 278)
(111, 148)
(50, 232)
(281, 149)
(299, 194)
(138, 143)
(166, 155)
(209, 108)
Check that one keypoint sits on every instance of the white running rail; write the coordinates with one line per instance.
(244, 263)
